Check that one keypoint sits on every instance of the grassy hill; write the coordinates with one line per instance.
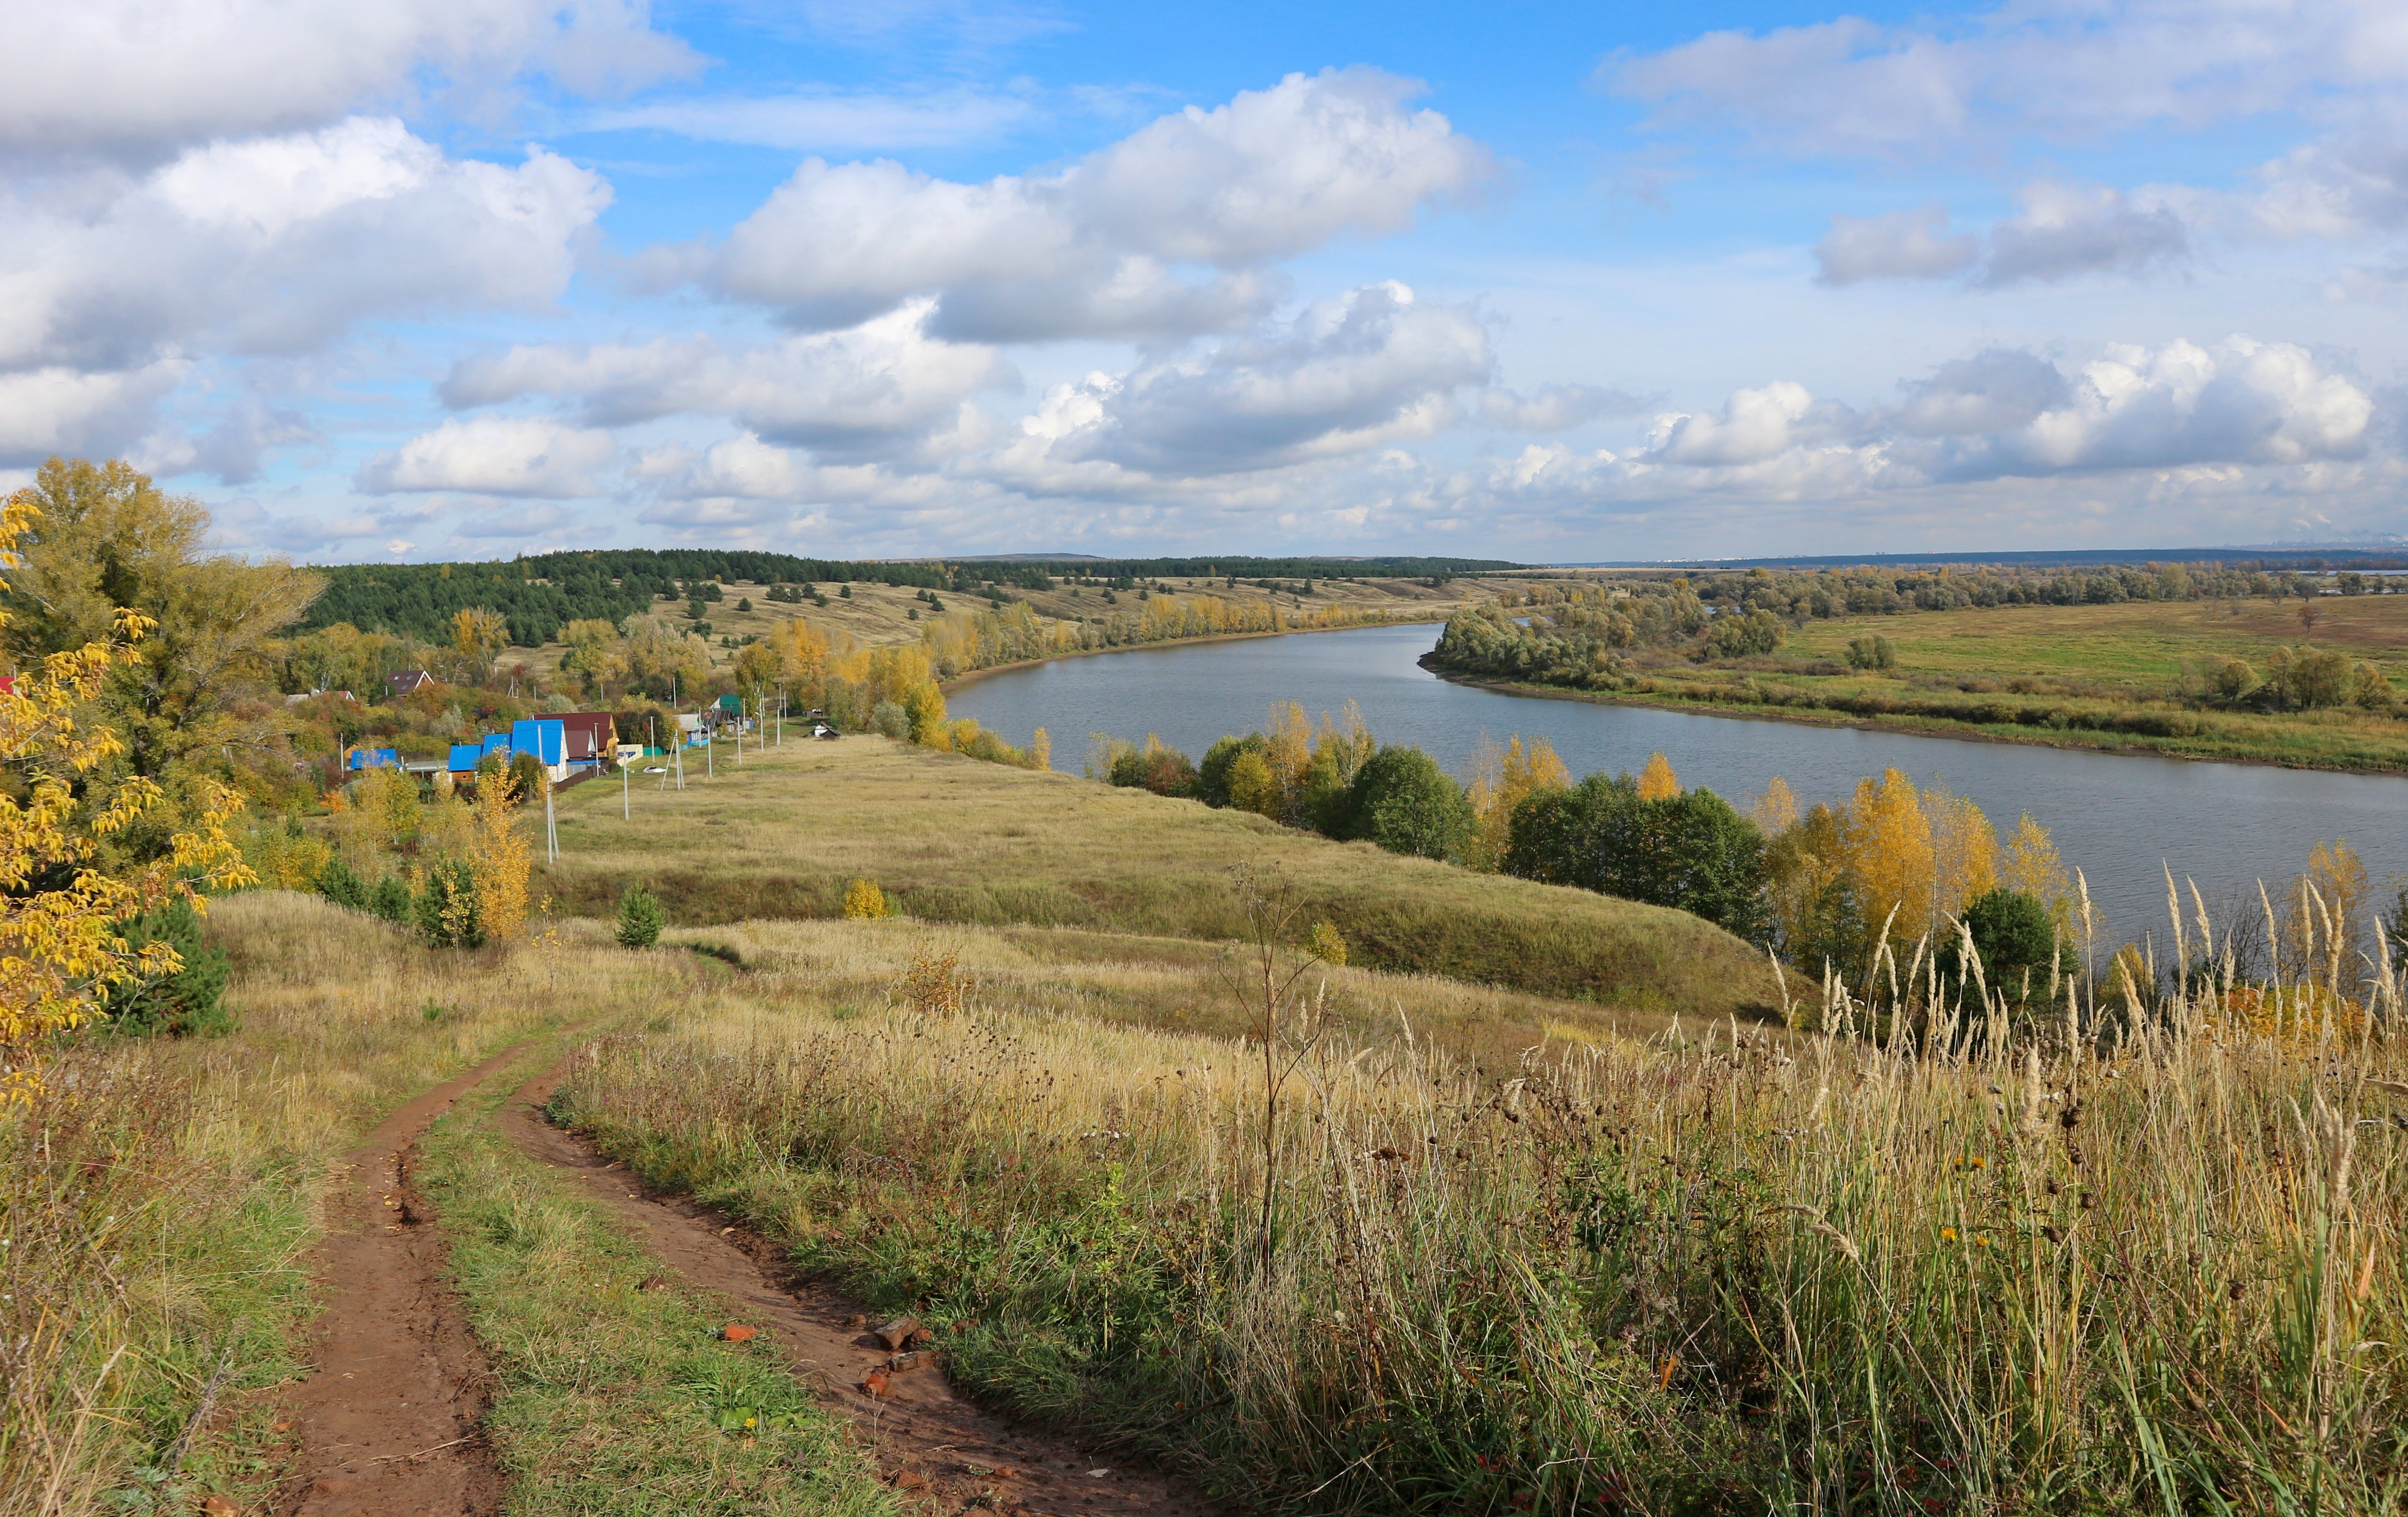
(953, 840)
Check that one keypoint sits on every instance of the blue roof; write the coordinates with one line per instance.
(376, 758)
(548, 740)
(465, 756)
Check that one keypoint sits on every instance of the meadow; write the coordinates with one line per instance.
(2106, 677)
(949, 838)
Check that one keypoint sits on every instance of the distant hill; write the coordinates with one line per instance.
(537, 594)
(2345, 557)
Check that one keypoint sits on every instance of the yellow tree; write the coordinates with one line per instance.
(1502, 779)
(1658, 782)
(60, 947)
(592, 654)
(499, 857)
(1964, 852)
(479, 635)
(1886, 840)
(1776, 810)
(2029, 864)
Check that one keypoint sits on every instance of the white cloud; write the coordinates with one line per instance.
(280, 244)
(495, 455)
(2071, 69)
(1096, 250)
(1753, 425)
(1901, 245)
(827, 120)
(59, 410)
(862, 388)
(144, 77)
(2061, 232)
(1350, 374)
(1555, 408)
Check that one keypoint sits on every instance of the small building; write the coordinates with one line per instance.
(465, 757)
(547, 738)
(591, 736)
(408, 682)
(375, 758)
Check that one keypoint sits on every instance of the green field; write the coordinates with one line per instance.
(953, 840)
(2105, 676)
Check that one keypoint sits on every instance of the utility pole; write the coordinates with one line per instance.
(550, 821)
(626, 807)
(709, 757)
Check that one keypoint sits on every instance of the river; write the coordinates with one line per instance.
(2119, 818)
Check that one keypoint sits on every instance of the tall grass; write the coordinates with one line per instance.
(156, 1200)
(1722, 1270)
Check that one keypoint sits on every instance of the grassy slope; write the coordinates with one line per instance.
(957, 841)
(2103, 663)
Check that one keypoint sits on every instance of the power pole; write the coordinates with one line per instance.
(626, 807)
(550, 821)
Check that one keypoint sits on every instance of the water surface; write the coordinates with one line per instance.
(2120, 818)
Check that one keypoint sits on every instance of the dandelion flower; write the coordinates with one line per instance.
(1948, 1234)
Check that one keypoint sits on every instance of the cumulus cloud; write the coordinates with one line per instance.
(141, 77)
(278, 244)
(1101, 248)
(60, 410)
(2062, 231)
(1901, 245)
(1350, 374)
(495, 455)
(2072, 69)
(2007, 413)
(1555, 408)
(865, 388)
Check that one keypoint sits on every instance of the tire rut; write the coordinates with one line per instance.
(390, 1419)
(940, 1452)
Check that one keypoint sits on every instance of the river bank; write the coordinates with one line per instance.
(2189, 749)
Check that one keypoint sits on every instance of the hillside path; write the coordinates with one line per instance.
(388, 1420)
(939, 1451)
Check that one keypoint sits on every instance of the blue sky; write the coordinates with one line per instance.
(469, 277)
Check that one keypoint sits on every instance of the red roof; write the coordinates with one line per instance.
(588, 732)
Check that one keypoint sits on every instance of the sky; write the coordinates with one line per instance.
(466, 278)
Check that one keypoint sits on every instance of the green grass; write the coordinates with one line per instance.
(953, 839)
(614, 1400)
(2103, 676)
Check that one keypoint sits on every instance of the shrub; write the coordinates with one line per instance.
(864, 901)
(1252, 786)
(1871, 652)
(2015, 937)
(183, 1004)
(889, 720)
(1325, 944)
(1405, 803)
(1213, 775)
(641, 918)
(1690, 850)
(392, 899)
(341, 884)
(450, 914)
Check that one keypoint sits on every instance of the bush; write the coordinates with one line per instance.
(341, 884)
(864, 901)
(2015, 937)
(641, 918)
(392, 900)
(1871, 652)
(1252, 786)
(450, 914)
(1213, 775)
(1165, 771)
(1691, 851)
(184, 1004)
(1326, 944)
(1405, 803)
(889, 720)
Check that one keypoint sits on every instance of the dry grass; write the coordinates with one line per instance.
(953, 840)
(1724, 1273)
(158, 1199)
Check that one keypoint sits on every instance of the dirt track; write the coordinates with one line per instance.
(390, 1419)
(927, 1439)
